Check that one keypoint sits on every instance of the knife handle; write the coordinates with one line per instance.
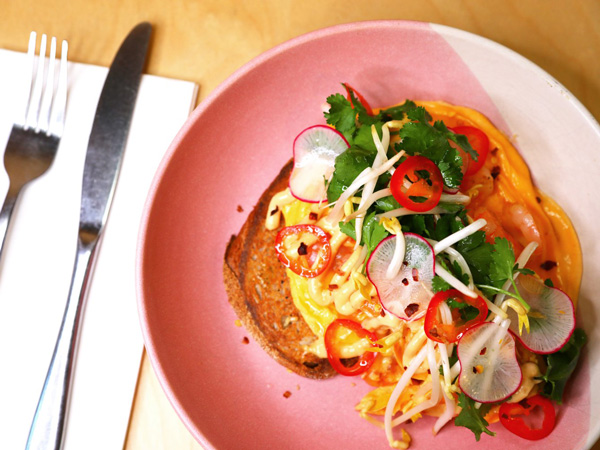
(48, 425)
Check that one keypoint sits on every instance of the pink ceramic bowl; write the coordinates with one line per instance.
(231, 395)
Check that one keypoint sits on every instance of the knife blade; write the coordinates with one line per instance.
(106, 145)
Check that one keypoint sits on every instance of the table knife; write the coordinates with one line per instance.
(101, 168)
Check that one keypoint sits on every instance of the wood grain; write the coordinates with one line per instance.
(205, 41)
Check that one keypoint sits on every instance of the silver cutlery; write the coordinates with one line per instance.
(103, 160)
(35, 136)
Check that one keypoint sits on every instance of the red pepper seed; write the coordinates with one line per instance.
(302, 249)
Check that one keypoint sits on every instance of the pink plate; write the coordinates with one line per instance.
(231, 395)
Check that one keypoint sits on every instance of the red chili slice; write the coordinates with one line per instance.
(438, 331)
(510, 412)
(333, 345)
(480, 143)
(304, 249)
(417, 184)
(358, 95)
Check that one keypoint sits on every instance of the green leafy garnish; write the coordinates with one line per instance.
(341, 115)
(473, 418)
(397, 112)
(388, 203)
(439, 284)
(348, 166)
(450, 207)
(419, 137)
(561, 365)
(466, 311)
(372, 231)
(504, 268)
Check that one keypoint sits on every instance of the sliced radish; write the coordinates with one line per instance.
(489, 369)
(315, 150)
(408, 293)
(551, 318)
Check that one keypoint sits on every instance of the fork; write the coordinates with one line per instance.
(35, 136)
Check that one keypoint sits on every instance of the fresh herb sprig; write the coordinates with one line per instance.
(561, 365)
(419, 137)
(473, 418)
(504, 268)
(351, 119)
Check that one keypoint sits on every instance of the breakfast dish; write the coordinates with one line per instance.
(409, 246)
(237, 141)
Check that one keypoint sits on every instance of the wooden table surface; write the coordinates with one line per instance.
(206, 40)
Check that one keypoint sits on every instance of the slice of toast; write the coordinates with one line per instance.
(259, 291)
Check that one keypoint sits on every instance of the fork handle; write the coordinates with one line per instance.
(48, 425)
(5, 215)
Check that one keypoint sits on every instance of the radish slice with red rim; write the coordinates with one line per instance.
(407, 295)
(315, 151)
(551, 318)
(489, 369)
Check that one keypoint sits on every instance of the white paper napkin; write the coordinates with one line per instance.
(38, 257)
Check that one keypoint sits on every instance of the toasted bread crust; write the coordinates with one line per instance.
(259, 291)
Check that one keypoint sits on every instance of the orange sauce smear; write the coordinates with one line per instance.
(496, 199)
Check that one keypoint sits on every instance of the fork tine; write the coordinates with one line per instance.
(34, 100)
(31, 65)
(59, 105)
(44, 114)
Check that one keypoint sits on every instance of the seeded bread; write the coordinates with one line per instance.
(259, 291)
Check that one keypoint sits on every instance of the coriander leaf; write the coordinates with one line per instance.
(479, 260)
(503, 260)
(445, 226)
(415, 224)
(388, 203)
(471, 242)
(453, 357)
(418, 114)
(561, 365)
(417, 199)
(466, 311)
(348, 166)
(367, 120)
(548, 282)
(364, 137)
(438, 284)
(451, 168)
(523, 271)
(503, 268)
(472, 418)
(341, 114)
(397, 112)
(458, 273)
(462, 141)
(419, 137)
(373, 232)
(450, 207)
(349, 228)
